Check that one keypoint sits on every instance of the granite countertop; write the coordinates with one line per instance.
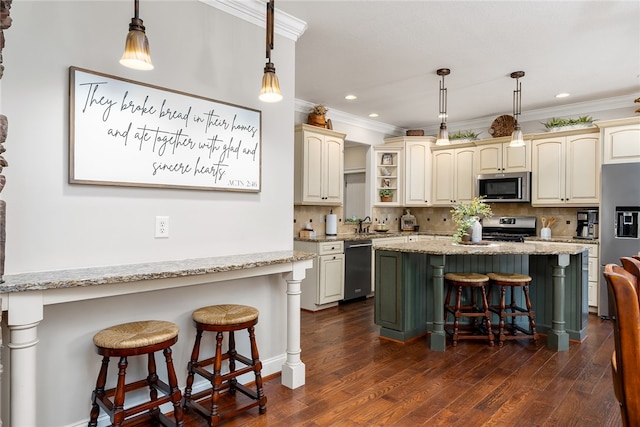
(395, 233)
(58, 279)
(564, 239)
(441, 247)
(369, 236)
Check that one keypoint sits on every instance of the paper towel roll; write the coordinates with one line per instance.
(332, 225)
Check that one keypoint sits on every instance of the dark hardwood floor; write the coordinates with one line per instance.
(355, 379)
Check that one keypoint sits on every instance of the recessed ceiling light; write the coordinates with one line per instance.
(350, 97)
(562, 95)
(372, 115)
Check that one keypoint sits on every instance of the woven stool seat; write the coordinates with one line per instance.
(225, 314)
(136, 334)
(220, 319)
(467, 277)
(509, 277)
(479, 313)
(144, 337)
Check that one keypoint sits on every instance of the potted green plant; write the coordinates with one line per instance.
(464, 135)
(555, 124)
(467, 215)
(317, 116)
(385, 195)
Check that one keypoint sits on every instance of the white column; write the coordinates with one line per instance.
(293, 370)
(25, 312)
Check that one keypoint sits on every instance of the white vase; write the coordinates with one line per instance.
(476, 229)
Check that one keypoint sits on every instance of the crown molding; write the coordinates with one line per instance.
(302, 106)
(542, 114)
(255, 12)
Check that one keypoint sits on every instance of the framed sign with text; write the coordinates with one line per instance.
(123, 132)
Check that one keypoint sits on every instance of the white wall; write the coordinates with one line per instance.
(51, 224)
(195, 49)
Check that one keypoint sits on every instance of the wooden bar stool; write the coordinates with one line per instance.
(475, 282)
(224, 318)
(512, 310)
(135, 339)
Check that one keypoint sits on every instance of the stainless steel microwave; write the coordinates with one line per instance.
(512, 187)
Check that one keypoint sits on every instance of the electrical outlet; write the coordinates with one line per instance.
(162, 226)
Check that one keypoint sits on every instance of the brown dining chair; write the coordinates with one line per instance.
(632, 265)
(625, 360)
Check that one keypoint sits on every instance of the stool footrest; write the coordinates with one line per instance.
(104, 400)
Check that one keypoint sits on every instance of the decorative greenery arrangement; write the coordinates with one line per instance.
(319, 109)
(463, 213)
(464, 134)
(555, 122)
(385, 192)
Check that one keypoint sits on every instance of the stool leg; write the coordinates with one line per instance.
(98, 393)
(456, 321)
(193, 363)
(232, 362)
(487, 315)
(531, 313)
(176, 396)
(216, 382)
(152, 381)
(257, 368)
(447, 301)
(118, 398)
(503, 315)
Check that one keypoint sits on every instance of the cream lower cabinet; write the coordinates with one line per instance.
(323, 285)
(594, 276)
(566, 170)
(453, 176)
(318, 166)
(500, 157)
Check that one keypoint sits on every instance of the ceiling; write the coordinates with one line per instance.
(387, 53)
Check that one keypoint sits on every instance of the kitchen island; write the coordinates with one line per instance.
(409, 286)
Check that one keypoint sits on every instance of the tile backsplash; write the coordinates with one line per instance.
(436, 219)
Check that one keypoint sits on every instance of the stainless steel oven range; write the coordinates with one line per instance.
(508, 228)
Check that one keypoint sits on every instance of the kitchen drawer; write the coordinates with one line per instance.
(593, 269)
(593, 250)
(333, 247)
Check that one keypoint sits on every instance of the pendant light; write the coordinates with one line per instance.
(516, 136)
(270, 91)
(443, 133)
(136, 49)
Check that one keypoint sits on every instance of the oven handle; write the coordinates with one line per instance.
(363, 245)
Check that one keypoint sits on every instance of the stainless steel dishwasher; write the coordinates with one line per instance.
(357, 269)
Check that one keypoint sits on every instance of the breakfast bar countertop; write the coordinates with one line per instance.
(89, 276)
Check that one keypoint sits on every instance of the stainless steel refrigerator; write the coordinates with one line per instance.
(619, 220)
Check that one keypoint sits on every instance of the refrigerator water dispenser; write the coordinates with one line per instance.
(627, 222)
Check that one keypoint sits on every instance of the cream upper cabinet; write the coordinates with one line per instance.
(319, 166)
(417, 174)
(414, 170)
(566, 170)
(499, 157)
(453, 176)
(620, 140)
